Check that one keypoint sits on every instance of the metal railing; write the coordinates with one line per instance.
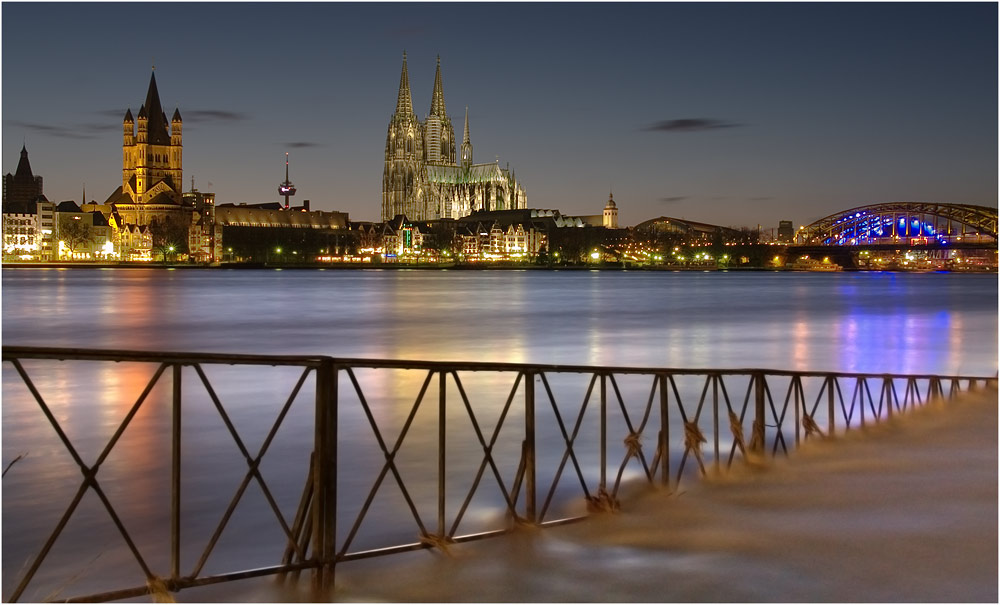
(563, 436)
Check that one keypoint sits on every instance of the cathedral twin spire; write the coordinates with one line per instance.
(437, 100)
(404, 102)
(436, 133)
(404, 105)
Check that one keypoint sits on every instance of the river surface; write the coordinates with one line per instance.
(852, 322)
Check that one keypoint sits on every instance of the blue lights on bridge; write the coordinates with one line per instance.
(862, 228)
(907, 224)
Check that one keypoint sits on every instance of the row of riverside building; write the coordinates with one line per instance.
(434, 202)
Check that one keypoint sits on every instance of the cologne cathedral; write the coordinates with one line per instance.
(424, 179)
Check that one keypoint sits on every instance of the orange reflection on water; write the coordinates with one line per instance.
(118, 388)
(800, 345)
(133, 306)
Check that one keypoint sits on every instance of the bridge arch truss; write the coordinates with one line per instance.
(904, 223)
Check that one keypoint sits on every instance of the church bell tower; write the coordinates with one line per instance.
(152, 154)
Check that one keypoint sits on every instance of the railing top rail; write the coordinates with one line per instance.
(22, 352)
(25, 352)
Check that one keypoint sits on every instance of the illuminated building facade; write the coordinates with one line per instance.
(84, 235)
(151, 163)
(423, 179)
(28, 218)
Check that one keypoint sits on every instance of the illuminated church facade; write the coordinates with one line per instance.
(424, 179)
(152, 156)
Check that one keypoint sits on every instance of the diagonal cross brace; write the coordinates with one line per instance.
(89, 477)
(253, 471)
(390, 456)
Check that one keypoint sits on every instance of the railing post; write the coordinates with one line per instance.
(604, 431)
(831, 409)
(759, 411)
(324, 509)
(887, 389)
(715, 419)
(175, 477)
(529, 447)
(664, 432)
(442, 467)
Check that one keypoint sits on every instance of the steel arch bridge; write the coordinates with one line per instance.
(904, 223)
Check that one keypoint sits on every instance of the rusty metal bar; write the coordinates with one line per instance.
(324, 505)
(800, 398)
(831, 409)
(760, 411)
(715, 419)
(442, 444)
(661, 380)
(175, 477)
(531, 479)
(21, 352)
(604, 431)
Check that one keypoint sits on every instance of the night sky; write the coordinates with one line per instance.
(734, 114)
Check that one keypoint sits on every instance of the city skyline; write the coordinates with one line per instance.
(734, 114)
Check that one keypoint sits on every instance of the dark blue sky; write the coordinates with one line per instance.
(734, 114)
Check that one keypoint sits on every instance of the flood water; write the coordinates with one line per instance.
(852, 322)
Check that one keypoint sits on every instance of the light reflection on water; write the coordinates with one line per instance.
(851, 322)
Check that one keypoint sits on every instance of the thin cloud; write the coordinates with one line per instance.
(193, 115)
(690, 125)
(209, 115)
(81, 131)
(672, 199)
(763, 198)
(112, 113)
(301, 144)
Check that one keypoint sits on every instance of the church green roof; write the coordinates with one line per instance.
(477, 173)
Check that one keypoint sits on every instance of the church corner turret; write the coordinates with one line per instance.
(466, 142)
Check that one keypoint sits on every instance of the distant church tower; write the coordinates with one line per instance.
(151, 161)
(22, 186)
(611, 213)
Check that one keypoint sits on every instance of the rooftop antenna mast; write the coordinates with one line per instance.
(286, 188)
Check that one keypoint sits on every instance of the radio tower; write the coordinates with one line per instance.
(286, 188)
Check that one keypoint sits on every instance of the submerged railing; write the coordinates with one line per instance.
(552, 443)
